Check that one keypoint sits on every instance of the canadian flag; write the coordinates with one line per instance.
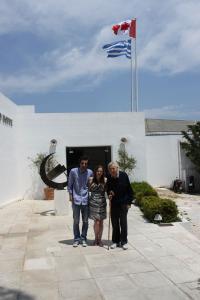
(124, 27)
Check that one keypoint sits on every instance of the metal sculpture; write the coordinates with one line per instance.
(55, 172)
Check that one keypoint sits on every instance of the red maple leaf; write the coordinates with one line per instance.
(115, 28)
(125, 26)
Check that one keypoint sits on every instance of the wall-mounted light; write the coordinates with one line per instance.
(52, 148)
(124, 140)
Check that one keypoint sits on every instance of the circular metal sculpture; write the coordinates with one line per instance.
(55, 172)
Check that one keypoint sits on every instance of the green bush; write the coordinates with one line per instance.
(165, 207)
(151, 206)
(142, 189)
(169, 211)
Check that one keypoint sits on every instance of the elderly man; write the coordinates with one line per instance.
(121, 195)
(78, 194)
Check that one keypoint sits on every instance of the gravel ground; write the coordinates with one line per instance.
(189, 209)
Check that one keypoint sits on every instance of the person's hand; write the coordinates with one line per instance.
(110, 197)
(70, 198)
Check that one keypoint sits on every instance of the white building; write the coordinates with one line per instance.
(24, 133)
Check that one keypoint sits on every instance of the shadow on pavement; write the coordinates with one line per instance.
(89, 242)
(47, 213)
(13, 294)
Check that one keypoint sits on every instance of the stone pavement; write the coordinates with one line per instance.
(37, 260)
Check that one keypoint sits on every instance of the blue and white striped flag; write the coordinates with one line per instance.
(118, 49)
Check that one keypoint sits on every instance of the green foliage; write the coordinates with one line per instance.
(165, 207)
(151, 206)
(142, 189)
(169, 210)
(37, 160)
(149, 202)
(126, 163)
(192, 144)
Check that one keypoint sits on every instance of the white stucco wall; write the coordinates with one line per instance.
(81, 129)
(163, 160)
(31, 134)
(9, 175)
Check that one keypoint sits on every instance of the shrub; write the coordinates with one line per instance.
(142, 189)
(169, 210)
(165, 207)
(151, 206)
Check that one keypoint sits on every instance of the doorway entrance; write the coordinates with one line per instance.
(100, 155)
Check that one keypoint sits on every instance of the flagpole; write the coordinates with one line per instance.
(136, 75)
(132, 94)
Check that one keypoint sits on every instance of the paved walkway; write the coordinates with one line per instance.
(37, 260)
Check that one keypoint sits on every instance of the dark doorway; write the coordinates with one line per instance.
(97, 156)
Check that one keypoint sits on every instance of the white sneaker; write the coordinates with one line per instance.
(113, 246)
(75, 244)
(84, 243)
(125, 246)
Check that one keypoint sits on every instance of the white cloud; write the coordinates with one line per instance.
(168, 38)
(59, 65)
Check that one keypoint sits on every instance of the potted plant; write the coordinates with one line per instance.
(50, 164)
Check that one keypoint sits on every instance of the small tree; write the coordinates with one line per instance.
(126, 163)
(37, 160)
(192, 144)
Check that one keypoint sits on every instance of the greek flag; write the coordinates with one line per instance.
(118, 49)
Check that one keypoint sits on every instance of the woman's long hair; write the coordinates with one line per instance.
(95, 175)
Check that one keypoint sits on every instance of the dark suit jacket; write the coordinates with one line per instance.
(121, 187)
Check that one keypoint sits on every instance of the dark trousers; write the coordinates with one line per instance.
(119, 223)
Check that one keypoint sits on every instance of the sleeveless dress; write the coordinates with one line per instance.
(97, 202)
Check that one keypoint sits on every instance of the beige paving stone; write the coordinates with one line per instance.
(80, 289)
(73, 272)
(66, 252)
(165, 293)
(100, 259)
(129, 255)
(10, 279)
(14, 242)
(119, 288)
(70, 261)
(151, 280)
(35, 253)
(11, 265)
(167, 262)
(192, 289)
(150, 249)
(42, 263)
(108, 271)
(4, 229)
(136, 266)
(38, 227)
(180, 275)
(18, 228)
(12, 254)
(40, 291)
(35, 277)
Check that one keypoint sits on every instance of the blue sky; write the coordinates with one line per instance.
(51, 56)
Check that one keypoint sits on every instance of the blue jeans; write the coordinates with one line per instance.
(76, 215)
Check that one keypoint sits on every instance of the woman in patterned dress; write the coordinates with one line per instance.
(97, 202)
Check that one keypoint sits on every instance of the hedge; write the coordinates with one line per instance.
(149, 202)
(165, 207)
(142, 189)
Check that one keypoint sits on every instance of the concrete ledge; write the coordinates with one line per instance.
(9, 202)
